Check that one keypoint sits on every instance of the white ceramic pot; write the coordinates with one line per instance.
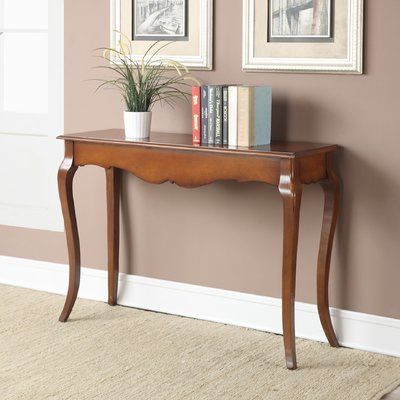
(137, 124)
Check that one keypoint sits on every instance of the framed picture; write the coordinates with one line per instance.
(160, 19)
(186, 24)
(303, 35)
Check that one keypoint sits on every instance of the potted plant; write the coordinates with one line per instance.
(144, 83)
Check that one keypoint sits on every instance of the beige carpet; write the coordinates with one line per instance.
(121, 353)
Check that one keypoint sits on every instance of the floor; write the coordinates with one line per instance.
(121, 353)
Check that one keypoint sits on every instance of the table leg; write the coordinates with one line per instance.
(291, 190)
(65, 180)
(331, 188)
(113, 178)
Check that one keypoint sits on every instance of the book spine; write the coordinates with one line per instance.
(204, 115)
(218, 116)
(233, 116)
(211, 115)
(225, 108)
(196, 114)
(243, 116)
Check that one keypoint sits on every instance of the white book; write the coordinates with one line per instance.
(233, 116)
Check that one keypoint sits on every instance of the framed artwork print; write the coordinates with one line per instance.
(303, 35)
(300, 21)
(186, 24)
(160, 19)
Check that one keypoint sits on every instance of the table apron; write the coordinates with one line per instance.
(191, 169)
(183, 167)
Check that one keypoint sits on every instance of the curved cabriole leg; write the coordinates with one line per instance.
(113, 179)
(291, 190)
(65, 179)
(331, 189)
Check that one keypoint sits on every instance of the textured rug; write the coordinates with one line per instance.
(121, 353)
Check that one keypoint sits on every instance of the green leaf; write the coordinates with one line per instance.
(148, 81)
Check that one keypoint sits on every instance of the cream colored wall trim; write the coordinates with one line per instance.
(355, 330)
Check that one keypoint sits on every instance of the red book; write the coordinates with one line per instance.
(196, 114)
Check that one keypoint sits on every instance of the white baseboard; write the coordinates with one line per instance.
(355, 330)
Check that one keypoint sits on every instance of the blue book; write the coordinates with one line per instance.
(254, 115)
(262, 110)
(204, 115)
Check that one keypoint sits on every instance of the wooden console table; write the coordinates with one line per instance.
(172, 157)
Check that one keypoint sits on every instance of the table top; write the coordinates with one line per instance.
(185, 141)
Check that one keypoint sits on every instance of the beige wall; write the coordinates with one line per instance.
(228, 235)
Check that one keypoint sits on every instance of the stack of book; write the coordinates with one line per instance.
(234, 116)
